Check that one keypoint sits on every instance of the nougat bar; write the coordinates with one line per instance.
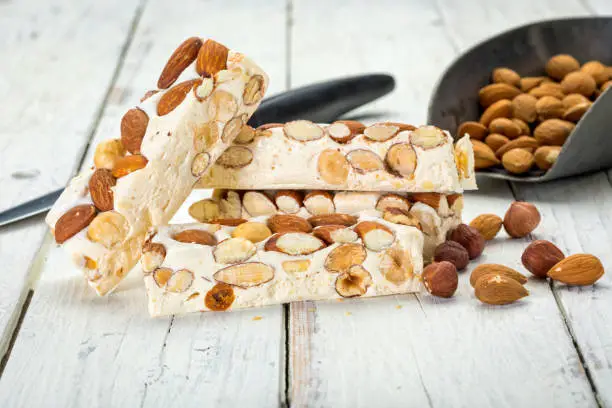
(278, 259)
(205, 95)
(345, 155)
(433, 213)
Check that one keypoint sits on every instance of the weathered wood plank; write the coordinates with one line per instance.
(110, 352)
(58, 60)
(418, 350)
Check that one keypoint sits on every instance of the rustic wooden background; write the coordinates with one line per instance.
(68, 71)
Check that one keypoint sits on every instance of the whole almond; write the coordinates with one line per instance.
(212, 58)
(488, 225)
(579, 269)
(517, 161)
(522, 142)
(579, 82)
(549, 107)
(521, 219)
(505, 127)
(506, 76)
(499, 290)
(575, 113)
(101, 186)
(524, 107)
(495, 141)
(540, 256)
(73, 221)
(195, 236)
(546, 156)
(174, 96)
(560, 65)
(548, 89)
(574, 99)
(133, 128)
(180, 59)
(474, 129)
(597, 70)
(606, 85)
(496, 269)
(553, 132)
(496, 92)
(484, 157)
(528, 83)
(499, 109)
(525, 130)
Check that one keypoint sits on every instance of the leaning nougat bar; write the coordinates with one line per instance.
(206, 93)
(278, 259)
(433, 213)
(345, 155)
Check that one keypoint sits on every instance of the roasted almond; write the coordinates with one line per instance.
(101, 186)
(597, 70)
(73, 221)
(174, 96)
(553, 132)
(517, 161)
(506, 127)
(549, 107)
(211, 58)
(484, 157)
(578, 269)
(392, 200)
(474, 129)
(495, 141)
(496, 92)
(521, 142)
(546, 156)
(560, 65)
(499, 109)
(180, 59)
(548, 89)
(579, 82)
(528, 83)
(195, 236)
(288, 223)
(504, 75)
(497, 289)
(133, 128)
(524, 107)
(575, 113)
(333, 219)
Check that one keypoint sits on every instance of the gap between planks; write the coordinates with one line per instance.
(36, 266)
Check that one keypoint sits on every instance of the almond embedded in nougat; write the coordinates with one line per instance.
(211, 58)
(133, 128)
(319, 202)
(303, 130)
(332, 234)
(235, 157)
(289, 201)
(392, 200)
(257, 204)
(343, 131)
(402, 159)
(245, 275)
(428, 137)
(374, 235)
(234, 250)
(254, 90)
(364, 161)
(294, 243)
(402, 217)
(333, 219)
(180, 59)
(153, 255)
(332, 166)
(73, 221)
(381, 132)
(108, 228)
(174, 96)
(253, 231)
(101, 186)
(288, 223)
(200, 164)
(180, 281)
(195, 236)
(206, 210)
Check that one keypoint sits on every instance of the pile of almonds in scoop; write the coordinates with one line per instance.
(499, 284)
(526, 120)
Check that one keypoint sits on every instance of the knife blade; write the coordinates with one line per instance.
(322, 102)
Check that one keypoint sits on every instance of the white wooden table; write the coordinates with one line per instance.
(69, 69)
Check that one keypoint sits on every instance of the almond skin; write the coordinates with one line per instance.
(560, 65)
(496, 269)
(100, 189)
(73, 221)
(493, 93)
(506, 76)
(488, 225)
(496, 289)
(180, 59)
(484, 156)
(474, 129)
(133, 128)
(579, 269)
(524, 108)
(546, 156)
(579, 82)
(174, 96)
(288, 223)
(521, 219)
(212, 58)
(540, 256)
(517, 161)
(499, 109)
(495, 141)
(553, 132)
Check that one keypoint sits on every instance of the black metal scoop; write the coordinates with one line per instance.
(526, 50)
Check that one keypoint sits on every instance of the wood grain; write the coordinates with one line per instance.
(111, 353)
(53, 82)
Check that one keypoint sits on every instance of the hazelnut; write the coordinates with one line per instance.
(540, 256)
(521, 219)
(469, 238)
(441, 279)
(452, 252)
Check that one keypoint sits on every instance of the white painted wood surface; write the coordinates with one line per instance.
(57, 62)
(75, 349)
(106, 352)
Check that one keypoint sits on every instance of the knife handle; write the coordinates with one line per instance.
(323, 102)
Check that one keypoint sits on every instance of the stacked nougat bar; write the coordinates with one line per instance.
(303, 211)
(205, 95)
